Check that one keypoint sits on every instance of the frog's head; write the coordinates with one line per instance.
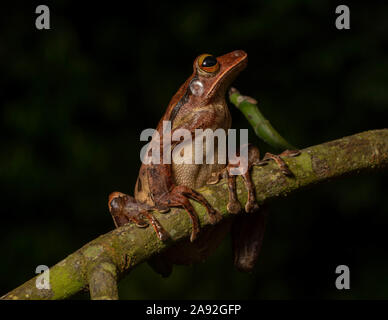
(209, 81)
(213, 75)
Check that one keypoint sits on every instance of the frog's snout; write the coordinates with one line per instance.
(239, 53)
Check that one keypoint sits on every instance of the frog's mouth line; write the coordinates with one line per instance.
(224, 75)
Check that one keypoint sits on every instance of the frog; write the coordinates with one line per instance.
(199, 104)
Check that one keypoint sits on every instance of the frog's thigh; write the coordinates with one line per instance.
(247, 238)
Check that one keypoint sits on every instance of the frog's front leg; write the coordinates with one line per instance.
(125, 209)
(233, 205)
(279, 161)
(253, 160)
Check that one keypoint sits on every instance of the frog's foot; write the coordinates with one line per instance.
(125, 209)
(279, 161)
(251, 204)
(254, 159)
(234, 205)
(179, 197)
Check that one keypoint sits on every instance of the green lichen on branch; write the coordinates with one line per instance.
(114, 254)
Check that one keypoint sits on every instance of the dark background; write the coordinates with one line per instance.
(75, 98)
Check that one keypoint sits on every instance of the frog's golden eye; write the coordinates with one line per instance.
(208, 63)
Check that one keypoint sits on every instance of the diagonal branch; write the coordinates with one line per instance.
(98, 264)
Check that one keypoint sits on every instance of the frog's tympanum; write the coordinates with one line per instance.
(161, 186)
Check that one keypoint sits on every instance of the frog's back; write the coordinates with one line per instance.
(142, 188)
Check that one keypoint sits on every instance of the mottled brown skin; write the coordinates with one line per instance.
(161, 186)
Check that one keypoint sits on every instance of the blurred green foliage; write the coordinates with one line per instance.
(75, 98)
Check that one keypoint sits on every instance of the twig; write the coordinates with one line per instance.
(261, 126)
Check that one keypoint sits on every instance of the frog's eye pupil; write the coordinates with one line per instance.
(209, 61)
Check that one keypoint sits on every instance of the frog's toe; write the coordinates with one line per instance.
(162, 209)
(233, 207)
(215, 217)
(251, 206)
(142, 224)
(212, 180)
(137, 219)
(290, 153)
(216, 177)
(193, 236)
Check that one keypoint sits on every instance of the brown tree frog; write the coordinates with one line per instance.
(198, 104)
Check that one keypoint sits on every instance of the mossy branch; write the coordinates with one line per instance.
(98, 264)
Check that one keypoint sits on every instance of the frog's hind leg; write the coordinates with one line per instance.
(179, 197)
(247, 238)
(125, 209)
(214, 215)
